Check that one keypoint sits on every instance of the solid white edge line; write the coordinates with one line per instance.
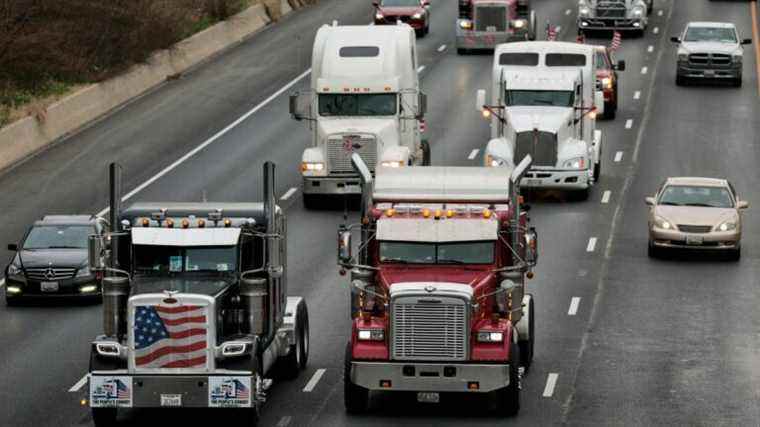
(473, 154)
(591, 244)
(659, 13)
(211, 140)
(656, 30)
(650, 49)
(289, 193)
(2, 283)
(568, 11)
(420, 68)
(644, 70)
(629, 123)
(284, 421)
(618, 156)
(442, 48)
(314, 380)
(78, 386)
(637, 94)
(606, 197)
(551, 382)
(574, 303)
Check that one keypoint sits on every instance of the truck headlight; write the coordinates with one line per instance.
(660, 222)
(379, 16)
(465, 24)
(737, 58)
(726, 226)
(607, 83)
(370, 334)
(392, 164)
(312, 167)
(417, 15)
(575, 163)
(683, 56)
(489, 336)
(584, 11)
(519, 23)
(638, 12)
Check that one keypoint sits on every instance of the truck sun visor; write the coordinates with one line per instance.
(359, 51)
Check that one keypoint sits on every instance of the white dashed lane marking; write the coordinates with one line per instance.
(644, 70)
(421, 67)
(573, 310)
(442, 48)
(606, 197)
(289, 193)
(656, 30)
(78, 386)
(284, 421)
(637, 94)
(314, 380)
(659, 13)
(568, 11)
(591, 244)
(629, 123)
(650, 49)
(473, 154)
(618, 156)
(551, 382)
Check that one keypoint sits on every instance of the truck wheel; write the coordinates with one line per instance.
(104, 417)
(425, 152)
(295, 361)
(310, 201)
(526, 346)
(355, 398)
(508, 398)
(581, 195)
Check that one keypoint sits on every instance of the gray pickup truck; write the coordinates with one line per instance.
(710, 50)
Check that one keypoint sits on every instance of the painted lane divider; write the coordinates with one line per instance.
(629, 123)
(591, 244)
(618, 156)
(637, 94)
(473, 154)
(284, 421)
(659, 12)
(289, 193)
(650, 49)
(568, 11)
(79, 384)
(420, 68)
(574, 303)
(314, 380)
(644, 70)
(606, 197)
(442, 48)
(551, 382)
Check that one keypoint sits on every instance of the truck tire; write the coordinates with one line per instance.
(526, 346)
(295, 361)
(425, 145)
(310, 201)
(355, 398)
(104, 417)
(508, 398)
(581, 195)
(598, 171)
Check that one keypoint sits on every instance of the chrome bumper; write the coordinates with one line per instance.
(684, 70)
(612, 24)
(710, 241)
(557, 179)
(432, 377)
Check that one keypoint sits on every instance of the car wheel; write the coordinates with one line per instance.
(652, 250)
(355, 398)
(420, 33)
(610, 110)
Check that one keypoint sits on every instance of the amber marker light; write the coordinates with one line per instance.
(426, 213)
(185, 223)
(227, 222)
(169, 223)
(450, 213)
(145, 222)
(201, 223)
(390, 212)
(487, 213)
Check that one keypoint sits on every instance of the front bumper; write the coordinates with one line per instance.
(487, 40)
(333, 185)
(185, 391)
(429, 376)
(612, 24)
(68, 288)
(557, 179)
(717, 240)
(692, 72)
(417, 24)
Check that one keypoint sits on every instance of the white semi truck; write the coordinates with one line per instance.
(365, 98)
(544, 103)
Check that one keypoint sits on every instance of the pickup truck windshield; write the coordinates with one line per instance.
(707, 34)
(437, 253)
(532, 98)
(383, 104)
(173, 260)
(58, 237)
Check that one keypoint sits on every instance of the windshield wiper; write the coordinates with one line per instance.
(450, 261)
(670, 204)
(703, 205)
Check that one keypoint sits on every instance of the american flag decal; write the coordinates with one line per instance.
(617, 40)
(170, 336)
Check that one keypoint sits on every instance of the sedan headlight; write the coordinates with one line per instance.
(465, 24)
(726, 226)
(417, 15)
(660, 222)
(519, 23)
(14, 270)
(312, 167)
(584, 11)
(370, 334)
(392, 164)
(737, 57)
(84, 271)
(490, 336)
(575, 163)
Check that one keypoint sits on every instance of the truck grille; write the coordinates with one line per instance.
(490, 16)
(339, 153)
(709, 60)
(542, 149)
(429, 330)
(46, 274)
(694, 228)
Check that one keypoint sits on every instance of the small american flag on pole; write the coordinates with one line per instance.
(551, 32)
(170, 336)
(617, 40)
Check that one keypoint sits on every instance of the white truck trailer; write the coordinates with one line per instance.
(364, 97)
(544, 102)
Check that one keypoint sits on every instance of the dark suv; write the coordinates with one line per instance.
(51, 260)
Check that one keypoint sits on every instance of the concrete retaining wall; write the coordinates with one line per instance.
(29, 135)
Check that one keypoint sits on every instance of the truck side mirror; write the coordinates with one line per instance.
(421, 105)
(12, 247)
(299, 109)
(480, 99)
(649, 201)
(675, 39)
(95, 251)
(620, 65)
(531, 247)
(344, 247)
(742, 204)
(747, 41)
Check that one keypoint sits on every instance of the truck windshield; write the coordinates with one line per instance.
(58, 237)
(437, 253)
(382, 104)
(171, 259)
(532, 98)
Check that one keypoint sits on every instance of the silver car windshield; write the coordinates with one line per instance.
(710, 34)
(683, 195)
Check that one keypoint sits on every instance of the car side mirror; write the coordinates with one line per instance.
(344, 247)
(620, 65)
(675, 40)
(747, 41)
(425, 3)
(375, 4)
(742, 204)
(12, 247)
(300, 106)
(649, 201)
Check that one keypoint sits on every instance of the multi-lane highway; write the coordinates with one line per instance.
(621, 338)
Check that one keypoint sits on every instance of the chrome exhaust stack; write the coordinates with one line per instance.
(115, 287)
(367, 181)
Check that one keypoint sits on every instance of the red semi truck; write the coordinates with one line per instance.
(438, 298)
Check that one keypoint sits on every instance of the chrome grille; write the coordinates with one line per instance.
(709, 60)
(43, 274)
(490, 16)
(339, 153)
(694, 228)
(542, 148)
(431, 330)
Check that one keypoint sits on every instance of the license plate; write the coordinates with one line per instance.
(172, 400)
(694, 240)
(491, 28)
(428, 397)
(531, 181)
(49, 286)
(709, 73)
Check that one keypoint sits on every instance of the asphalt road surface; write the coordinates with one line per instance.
(621, 339)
